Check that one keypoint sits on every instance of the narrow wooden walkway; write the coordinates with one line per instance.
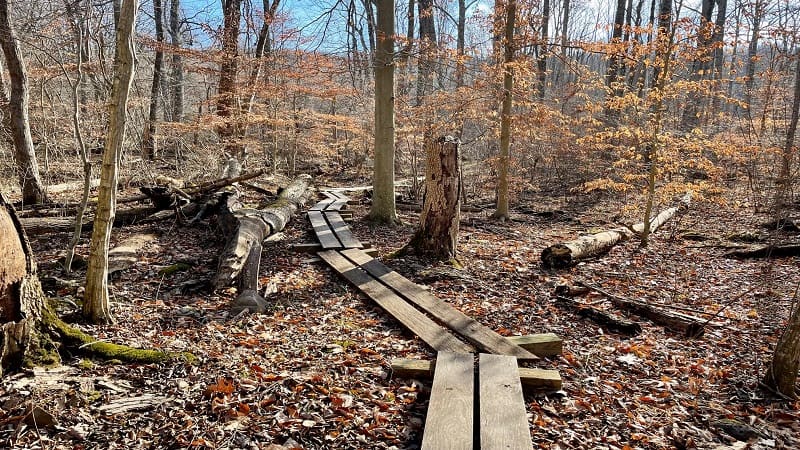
(462, 414)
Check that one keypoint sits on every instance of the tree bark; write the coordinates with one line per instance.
(383, 207)
(752, 51)
(95, 307)
(785, 180)
(700, 66)
(567, 253)
(17, 112)
(501, 210)
(605, 318)
(783, 369)
(226, 92)
(149, 139)
(177, 61)
(437, 236)
(427, 37)
(543, 50)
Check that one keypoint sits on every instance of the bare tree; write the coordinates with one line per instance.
(501, 210)
(226, 93)
(177, 60)
(149, 138)
(95, 307)
(16, 118)
(383, 202)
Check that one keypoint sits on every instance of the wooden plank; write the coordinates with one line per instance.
(314, 247)
(541, 345)
(449, 420)
(321, 205)
(477, 334)
(323, 231)
(503, 420)
(342, 231)
(420, 324)
(533, 380)
(337, 204)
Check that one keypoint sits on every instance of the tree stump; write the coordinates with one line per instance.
(437, 236)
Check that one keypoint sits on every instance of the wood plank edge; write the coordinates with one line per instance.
(543, 344)
(531, 379)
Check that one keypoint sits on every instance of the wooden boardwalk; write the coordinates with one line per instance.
(466, 411)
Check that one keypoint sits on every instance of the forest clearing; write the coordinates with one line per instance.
(413, 225)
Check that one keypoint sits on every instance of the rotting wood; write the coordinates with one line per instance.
(125, 254)
(766, 251)
(503, 418)
(685, 324)
(533, 380)
(470, 329)
(249, 227)
(449, 419)
(45, 225)
(567, 253)
(429, 331)
(604, 318)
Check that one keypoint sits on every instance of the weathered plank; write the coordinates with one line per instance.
(449, 420)
(322, 204)
(474, 332)
(323, 231)
(342, 231)
(531, 379)
(420, 324)
(541, 345)
(503, 420)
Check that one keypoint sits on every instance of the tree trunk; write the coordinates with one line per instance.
(543, 50)
(501, 211)
(427, 37)
(95, 307)
(177, 61)
(700, 66)
(785, 181)
(752, 52)
(383, 200)
(226, 93)
(567, 253)
(22, 302)
(437, 236)
(149, 139)
(782, 371)
(17, 113)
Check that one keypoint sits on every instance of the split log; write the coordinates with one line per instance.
(533, 380)
(766, 251)
(604, 318)
(243, 250)
(686, 324)
(567, 253)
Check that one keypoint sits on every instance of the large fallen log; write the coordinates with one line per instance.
(44, 225)
(567, 253)
(247, 229)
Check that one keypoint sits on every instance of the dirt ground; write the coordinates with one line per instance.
(314, 372)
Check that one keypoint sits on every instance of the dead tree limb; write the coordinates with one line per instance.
(242, 253)
(604, 318)
(567, 253)
(766, 251)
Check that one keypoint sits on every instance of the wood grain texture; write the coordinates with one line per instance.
(479, 335)
(541, 345)
(323, 231)
(322, 204)
(449, 420)
(503, 419)
(420, 324)
(342, 231)
(531, 379)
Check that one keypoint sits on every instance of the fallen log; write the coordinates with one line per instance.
(686, 324)
(45, 225)
(766, 251)
(567, 253)
(125, 254)
(603, 318)
(242, 253)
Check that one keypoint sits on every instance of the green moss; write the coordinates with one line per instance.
(93, 396)
(109, 351)
(86, 364)
(175, 268)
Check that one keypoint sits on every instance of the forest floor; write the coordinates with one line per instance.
(314, 372)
